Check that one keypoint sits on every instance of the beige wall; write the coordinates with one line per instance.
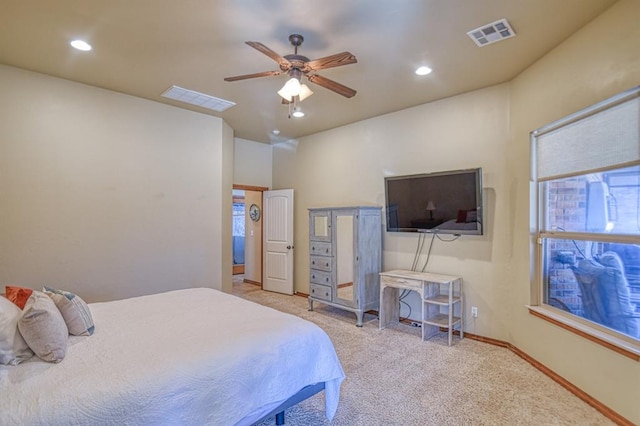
(224, 174)
(252, 167)
(347, 166)
(599, 61)
(487, 128)
(252, 163)
(253, 239)
(109, 195)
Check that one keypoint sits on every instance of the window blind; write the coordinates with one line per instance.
(595, 139)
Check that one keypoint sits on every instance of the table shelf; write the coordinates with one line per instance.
(441, 320)
(441, 300)
(441, 297)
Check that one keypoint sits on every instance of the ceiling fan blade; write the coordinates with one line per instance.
(259, 74)
(337, 60)
(284, 63)
(332, 85)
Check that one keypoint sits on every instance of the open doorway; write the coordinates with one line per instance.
(247, 233)
(238, 231)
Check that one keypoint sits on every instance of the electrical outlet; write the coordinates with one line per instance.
(474, 311)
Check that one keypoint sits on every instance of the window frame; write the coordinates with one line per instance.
(604, 336)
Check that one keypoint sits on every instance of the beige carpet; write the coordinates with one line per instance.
(394, 378)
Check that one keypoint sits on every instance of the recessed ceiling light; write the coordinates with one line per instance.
(423, 70)
(81, 45)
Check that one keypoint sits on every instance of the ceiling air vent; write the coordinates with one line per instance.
(491, 33)
(198, 99)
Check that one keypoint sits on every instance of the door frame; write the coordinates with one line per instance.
(256, 189)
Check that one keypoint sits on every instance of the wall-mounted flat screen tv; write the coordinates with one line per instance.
(447, 202)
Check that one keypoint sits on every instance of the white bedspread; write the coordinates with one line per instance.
(189, 357)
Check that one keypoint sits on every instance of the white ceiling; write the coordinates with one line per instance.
(142, 47)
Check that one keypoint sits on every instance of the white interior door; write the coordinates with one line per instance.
(278, 241)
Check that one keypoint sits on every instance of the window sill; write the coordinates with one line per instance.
(619, 345)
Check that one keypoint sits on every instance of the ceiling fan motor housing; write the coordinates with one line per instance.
(295, 73)
(297, 62)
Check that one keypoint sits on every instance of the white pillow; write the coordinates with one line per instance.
(13, 348)
(74, 310)
(43, 328)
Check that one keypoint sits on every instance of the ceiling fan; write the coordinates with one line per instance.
(296, 66)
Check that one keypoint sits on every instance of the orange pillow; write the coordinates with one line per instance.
(18, 295)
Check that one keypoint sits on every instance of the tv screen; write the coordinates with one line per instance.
(445, 202)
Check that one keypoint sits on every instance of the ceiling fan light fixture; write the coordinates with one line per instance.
(286, 96)
(290, 89)
(298, 113)
(423, 70)
(305, 92)
(297, 66)
(80, 45)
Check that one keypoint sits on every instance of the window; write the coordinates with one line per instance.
(238, 231)
(238, 220)
(586, 168)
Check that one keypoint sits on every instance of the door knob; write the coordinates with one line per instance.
(289, 247)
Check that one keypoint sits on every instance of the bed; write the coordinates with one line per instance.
(196, 356)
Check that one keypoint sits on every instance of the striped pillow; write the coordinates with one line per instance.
(74, 310)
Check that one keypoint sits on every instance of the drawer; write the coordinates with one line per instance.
(319, 248)
(321, 263)
(401, 283)
(320, 277)
(321, 292)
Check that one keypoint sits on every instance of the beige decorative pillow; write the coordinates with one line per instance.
(13, 348)
(74, 310)
(43, 328)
